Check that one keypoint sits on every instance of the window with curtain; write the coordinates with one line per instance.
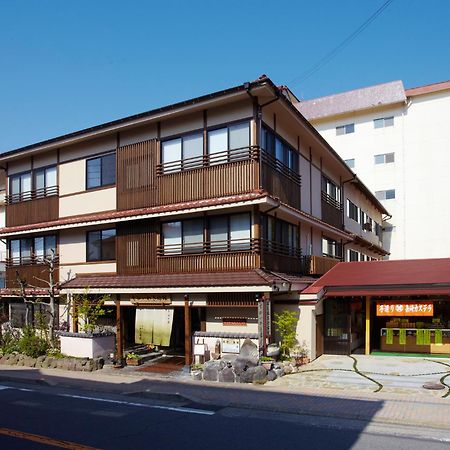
(20, 187)
(172, 238)
(185, 152)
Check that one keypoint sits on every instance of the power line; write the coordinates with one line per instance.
(329, 56)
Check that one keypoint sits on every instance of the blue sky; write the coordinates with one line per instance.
(70, 65)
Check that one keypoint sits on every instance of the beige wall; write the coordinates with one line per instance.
(21, 165)
(88, 202)
(182, 124)
(228, 113)
(88, 148)
(46, 159)
(139, 134)
(316, 184)
(306, 185)
(214, 319)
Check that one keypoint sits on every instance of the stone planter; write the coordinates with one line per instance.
(87, 345)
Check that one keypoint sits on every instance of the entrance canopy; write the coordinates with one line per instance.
(415, 277)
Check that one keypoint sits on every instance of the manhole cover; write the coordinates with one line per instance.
(433, 386)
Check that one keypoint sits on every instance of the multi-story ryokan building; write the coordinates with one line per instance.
(190, 214)
(398, 141)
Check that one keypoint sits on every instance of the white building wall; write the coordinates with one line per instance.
(420, 139)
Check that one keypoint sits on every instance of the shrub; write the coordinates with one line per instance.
(31, 345)
(9, 342)
(286, 325)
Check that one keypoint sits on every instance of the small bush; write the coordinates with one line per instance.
(31, 345)
(9, 342)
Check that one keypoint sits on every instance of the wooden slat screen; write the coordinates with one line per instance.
(137, 184)
(32, 211)
(30, 273)
(136, 247)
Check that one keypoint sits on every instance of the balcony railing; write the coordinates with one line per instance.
(332, 211)
(32, 195)
(27, 260)
(318, 265)
(213, 159)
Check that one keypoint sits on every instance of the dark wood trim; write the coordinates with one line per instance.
(187, 332)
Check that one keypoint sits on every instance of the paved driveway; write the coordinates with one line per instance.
(387, 374)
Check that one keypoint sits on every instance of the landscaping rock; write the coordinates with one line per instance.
(211, 370)
(197, 375)
(246, 376)
(287, 368)
(227, 375)
(29, 361)
(39, 361)
(259, 375)
(249, 352)
(271, 375)
(279, 372)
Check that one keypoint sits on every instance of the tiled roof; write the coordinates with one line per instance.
(401, 276)
(111, 215)
(358, 99)
(255, 277)
(428, 89)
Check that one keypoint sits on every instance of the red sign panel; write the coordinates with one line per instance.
(405, 309)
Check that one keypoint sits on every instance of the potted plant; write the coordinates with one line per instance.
(266, 362)
(133, 360)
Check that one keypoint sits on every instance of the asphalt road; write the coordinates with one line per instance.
(33, 417)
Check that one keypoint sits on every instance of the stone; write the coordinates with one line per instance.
(259, 375)
(249, 352)
(433, 386)
(227, 375)
(273, 350)
(279, 372)
(246, 376)
(271, 375)
(40, 360)
(211, 370)
(29, 361)
(197, 375)
(287, 368)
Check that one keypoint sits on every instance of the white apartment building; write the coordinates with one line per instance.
(398, 141)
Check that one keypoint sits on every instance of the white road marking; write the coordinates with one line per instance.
(142, 405)
(3, 387)
(181, 409)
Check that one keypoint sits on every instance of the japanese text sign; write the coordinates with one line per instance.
(405, 308)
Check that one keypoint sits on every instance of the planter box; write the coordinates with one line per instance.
(134, 362)
(84, 345)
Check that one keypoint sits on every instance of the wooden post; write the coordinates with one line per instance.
(119, 333)
(74, 315)
(187, 332)
(367, 352)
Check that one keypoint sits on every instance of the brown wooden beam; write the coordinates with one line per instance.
(187, 331)
(119, 332)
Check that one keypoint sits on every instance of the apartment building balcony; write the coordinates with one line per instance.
(332, 211)
(39, 205)
(318, 265)
(32, 270)
(143, 182)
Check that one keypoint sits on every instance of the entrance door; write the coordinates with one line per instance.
(337, 340)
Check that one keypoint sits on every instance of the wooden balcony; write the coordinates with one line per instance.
(142, 182)
(280, 181)
(32, 273)
(209, 257)
(318, 265)
(332, 211)
(41, 205)
(280, 258)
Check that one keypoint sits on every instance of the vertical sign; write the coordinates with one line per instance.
(261, 330)
(268, 318)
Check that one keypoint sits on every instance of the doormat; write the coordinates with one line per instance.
(165, 365)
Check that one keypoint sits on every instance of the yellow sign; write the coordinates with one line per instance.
(156, 300)
(405, 308)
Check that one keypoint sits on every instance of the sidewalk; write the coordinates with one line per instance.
(383, 408)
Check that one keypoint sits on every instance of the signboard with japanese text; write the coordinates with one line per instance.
(419, 308)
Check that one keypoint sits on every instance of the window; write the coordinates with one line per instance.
(225, 233)
(279, 149)
(20, 187)
(350, 163)
(353, 255)
(185, 152)
(280, 237)
(329, 188)
(229, 139)
(384, 122)
(384, 158)
(345, 129)
(31, 250)
(101, 171)
(366, 222)
(389, 194)
(331, 248)
(352, 211)
(44, 181)
(101, 245)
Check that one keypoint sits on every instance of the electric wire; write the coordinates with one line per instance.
(330, 55)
